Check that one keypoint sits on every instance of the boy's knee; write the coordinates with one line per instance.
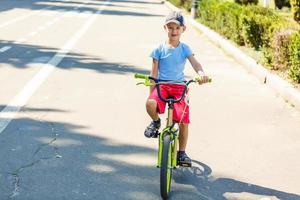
(183, 125)
(151, 103)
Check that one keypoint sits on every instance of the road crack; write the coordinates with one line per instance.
(16, 179)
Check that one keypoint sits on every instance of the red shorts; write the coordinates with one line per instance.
(181, 109)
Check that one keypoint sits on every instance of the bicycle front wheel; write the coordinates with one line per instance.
(166, 168)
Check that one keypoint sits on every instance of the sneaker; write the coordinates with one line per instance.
(152, 129)
(183, 159)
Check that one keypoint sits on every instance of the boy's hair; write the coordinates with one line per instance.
(175, 17)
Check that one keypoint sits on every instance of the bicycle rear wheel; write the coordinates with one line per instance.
(166, 168)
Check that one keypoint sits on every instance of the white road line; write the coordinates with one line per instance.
(12, 109)
(22, 17)
(5, 48)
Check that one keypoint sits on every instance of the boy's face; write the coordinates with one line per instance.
(174, 31)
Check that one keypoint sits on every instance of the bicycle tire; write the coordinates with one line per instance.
(166, 168)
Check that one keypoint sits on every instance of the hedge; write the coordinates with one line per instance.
(223, 18)
(249, 25)
(296, 9)
(294, 57)
(258, 28)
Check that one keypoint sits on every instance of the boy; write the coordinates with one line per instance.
(168, 61)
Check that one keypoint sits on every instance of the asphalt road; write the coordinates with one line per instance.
(72, 118)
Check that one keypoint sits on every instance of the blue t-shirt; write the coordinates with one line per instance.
(171, 61)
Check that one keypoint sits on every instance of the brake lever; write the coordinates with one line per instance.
(141, 83)
(146, 83)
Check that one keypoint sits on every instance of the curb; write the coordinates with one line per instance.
(286, 90)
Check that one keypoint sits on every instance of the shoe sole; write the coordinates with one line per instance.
(185, 164)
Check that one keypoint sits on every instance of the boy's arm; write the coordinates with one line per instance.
(154, 72)
(198, 68)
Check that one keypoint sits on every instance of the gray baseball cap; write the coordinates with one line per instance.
(176, 17)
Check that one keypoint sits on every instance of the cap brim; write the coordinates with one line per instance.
(172, 21)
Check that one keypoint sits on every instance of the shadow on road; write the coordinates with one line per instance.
(65, 6)
(59, 160)
(42, 159)
(210, 188)
(25, 55)
(28, 109)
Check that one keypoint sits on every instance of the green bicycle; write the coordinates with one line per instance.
(168, 137)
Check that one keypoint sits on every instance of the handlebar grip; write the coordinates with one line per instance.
(141, 76)
(209, 79)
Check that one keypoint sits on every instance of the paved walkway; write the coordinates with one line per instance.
(79, 134)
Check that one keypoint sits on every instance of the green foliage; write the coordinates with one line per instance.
(222, 17)
(296, 9)
(250, 25)
(258, 24)
(280, 49)
(268, 58)
(187, 4)
(231, 26)
(294, 54)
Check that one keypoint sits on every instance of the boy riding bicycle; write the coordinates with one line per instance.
(168, 61)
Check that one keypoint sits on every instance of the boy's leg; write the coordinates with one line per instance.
(183, 136)
(154, 106)
(183, 158)
(151, 107)
(152, 129)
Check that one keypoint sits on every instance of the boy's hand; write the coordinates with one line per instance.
(201, 78)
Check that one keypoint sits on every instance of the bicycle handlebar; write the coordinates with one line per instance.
(141, 76)
(159, 82)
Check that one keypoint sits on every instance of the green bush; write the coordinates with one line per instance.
(221, 17)
(250, 25)
(187, 4)
(259, 28)
(258, 24)
(268, 58)
(280, 49)
(296, 10)
(294, 54)
(231, 22)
